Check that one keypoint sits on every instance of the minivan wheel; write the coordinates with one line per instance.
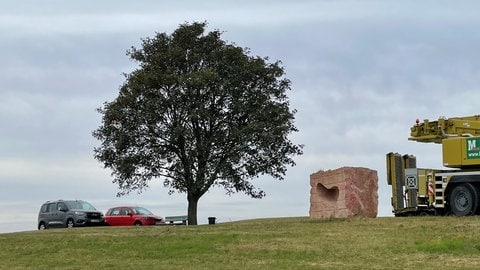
(70, 223)
(41, 226)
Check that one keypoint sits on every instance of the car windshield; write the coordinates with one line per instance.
(80, 205)
(141, 211)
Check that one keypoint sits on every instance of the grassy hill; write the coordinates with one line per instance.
(282, 243)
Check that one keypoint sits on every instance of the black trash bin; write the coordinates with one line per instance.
(211, 220)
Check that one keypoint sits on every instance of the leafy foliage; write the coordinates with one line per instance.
(198, 112)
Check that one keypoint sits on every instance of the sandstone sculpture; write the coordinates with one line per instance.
(344, 192)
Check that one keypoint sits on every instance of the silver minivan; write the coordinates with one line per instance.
(68, 214)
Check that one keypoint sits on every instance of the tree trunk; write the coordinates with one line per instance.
(192, 210)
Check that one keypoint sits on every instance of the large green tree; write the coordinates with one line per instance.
(198, 112)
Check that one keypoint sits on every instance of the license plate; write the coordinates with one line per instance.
(94, 220)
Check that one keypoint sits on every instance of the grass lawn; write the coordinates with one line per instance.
(282, 243)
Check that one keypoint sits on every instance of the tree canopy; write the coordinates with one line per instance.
(198, 112)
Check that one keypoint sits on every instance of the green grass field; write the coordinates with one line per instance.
(282, 243)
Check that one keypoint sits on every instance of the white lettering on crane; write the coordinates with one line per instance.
(472, 145)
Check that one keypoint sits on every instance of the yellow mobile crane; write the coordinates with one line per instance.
(419, 191)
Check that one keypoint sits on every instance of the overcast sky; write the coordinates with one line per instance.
(361, 72)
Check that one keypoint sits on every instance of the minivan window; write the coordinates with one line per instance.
(80, 205)
(62, 206)
(51, 207)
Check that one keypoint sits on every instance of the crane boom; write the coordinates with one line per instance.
(443, 128)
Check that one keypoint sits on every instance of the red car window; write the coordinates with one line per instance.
(115, 212)
(124, 212)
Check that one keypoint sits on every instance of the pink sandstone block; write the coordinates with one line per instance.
(344, 192)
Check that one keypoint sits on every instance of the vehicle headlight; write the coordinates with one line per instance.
(79, 213)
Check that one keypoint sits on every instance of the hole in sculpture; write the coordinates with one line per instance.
(329, 194)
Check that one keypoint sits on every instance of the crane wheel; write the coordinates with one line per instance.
(464, 199)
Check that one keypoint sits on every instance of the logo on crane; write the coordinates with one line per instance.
(473, 148)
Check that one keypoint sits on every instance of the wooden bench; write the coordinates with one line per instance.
(176, 220)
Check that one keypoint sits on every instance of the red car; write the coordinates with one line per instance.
(131, 215)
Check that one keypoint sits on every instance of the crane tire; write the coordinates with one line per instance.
(464, 199)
